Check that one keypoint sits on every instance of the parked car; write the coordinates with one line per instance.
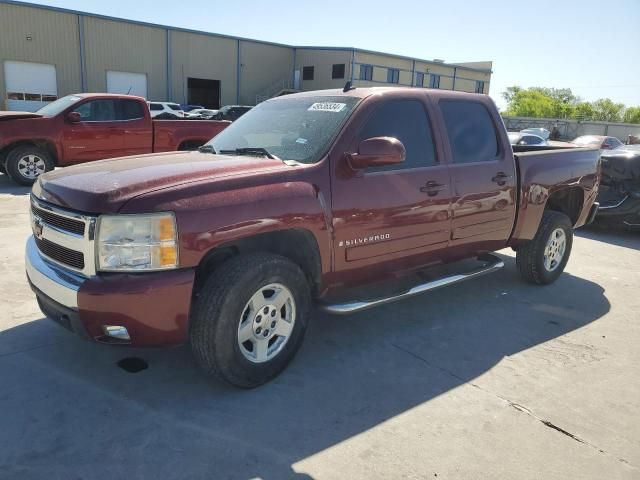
(231, 112)
(85, 127)
(519, 138)
(598, 141)
(201, 113)
(308, 198)
(619, 195)
(167, 110)
(540, 132)
(188, 108)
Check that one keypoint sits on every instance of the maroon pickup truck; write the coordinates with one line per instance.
(346, 198)
(86, 127)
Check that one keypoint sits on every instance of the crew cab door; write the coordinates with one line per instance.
(393, 218)
(137, 127)
(98, 135)
(483, 177)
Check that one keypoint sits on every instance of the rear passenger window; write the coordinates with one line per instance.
(471, 131)
(407, 121)
(155, 106)
(130, 110)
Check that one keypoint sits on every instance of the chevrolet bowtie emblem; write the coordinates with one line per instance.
(37, 228)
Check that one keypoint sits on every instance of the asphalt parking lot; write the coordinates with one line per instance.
(492, 378)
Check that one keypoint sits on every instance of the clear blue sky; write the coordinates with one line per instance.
(590, 46)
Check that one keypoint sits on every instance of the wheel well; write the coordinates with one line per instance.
(44, 144)
(191, 144)
(568, 201)
(297, 245)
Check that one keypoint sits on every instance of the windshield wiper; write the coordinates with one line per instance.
(251, 151)
(207, 149)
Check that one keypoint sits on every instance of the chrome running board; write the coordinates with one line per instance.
(491, 264)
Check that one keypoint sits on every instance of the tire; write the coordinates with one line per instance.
(530, 258)
(25, 164)
(232, 298)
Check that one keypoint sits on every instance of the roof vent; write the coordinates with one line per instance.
(438, 60)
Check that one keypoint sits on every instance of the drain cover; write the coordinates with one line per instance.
(133, 364)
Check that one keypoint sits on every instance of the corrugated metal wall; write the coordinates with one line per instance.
(125, 47)
(54, 40)
(323, 60)
(203, 56)
(263, 69)
(168, 57)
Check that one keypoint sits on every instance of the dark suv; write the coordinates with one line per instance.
(231, 112)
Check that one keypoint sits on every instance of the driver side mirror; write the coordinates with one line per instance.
(377, 152)
(74, 117)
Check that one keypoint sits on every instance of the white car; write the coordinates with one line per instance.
(201, 113)
(540, 132)
(168, 108)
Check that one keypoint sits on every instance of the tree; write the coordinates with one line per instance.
(631, 115)
(606, 110)
(583, 111)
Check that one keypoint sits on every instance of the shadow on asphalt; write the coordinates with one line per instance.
(78, 415)
(621, 237)
(8, 186)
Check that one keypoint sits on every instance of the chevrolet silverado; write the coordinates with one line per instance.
(343, 198)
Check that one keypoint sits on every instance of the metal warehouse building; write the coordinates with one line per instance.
(47, 52)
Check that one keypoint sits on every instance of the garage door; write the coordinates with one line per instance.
(127, 83)
(29, 86)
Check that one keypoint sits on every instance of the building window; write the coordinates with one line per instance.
(366, 72)
(393, 75)
(419, 79)
(337, 70)
(307, 73)
(434, 81)
(479, 86)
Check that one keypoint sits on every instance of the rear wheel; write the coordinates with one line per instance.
(542, 260)
(250, 318)
(25, 164)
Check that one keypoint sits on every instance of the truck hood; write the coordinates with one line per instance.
(5, 115)
(105, 186)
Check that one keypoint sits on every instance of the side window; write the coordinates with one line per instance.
(130, 110)
(366, 72)
(97, 111)
(407, 121)
(393, 75)
(434, 81)
(337, 70)
(155, 106)
(470, 130)
(479, 86)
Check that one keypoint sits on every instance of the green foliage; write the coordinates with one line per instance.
(631, 115)
(541, 102)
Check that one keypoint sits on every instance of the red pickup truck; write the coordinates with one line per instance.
(347, 198)
(86, 127)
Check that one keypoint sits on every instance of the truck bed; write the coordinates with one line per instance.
(545, 170)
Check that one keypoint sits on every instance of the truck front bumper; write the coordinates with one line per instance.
(153, 307)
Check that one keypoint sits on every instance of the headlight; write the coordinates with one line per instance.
(137, 242)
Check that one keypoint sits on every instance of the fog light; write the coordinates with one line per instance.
(116, 331)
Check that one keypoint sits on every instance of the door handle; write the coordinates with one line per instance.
(501, 178)
(431, 188)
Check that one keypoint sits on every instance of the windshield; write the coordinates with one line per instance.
(297, 128)
(54, 108)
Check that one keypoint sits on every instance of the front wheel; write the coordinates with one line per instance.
(25, 164)
(542, 260)
(249, 318)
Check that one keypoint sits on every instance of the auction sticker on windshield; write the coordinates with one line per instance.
(327, 107)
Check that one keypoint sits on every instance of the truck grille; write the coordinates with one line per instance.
(63, 236)
(64, 223)
(61, 254)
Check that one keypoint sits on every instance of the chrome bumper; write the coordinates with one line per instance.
(58, 284)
